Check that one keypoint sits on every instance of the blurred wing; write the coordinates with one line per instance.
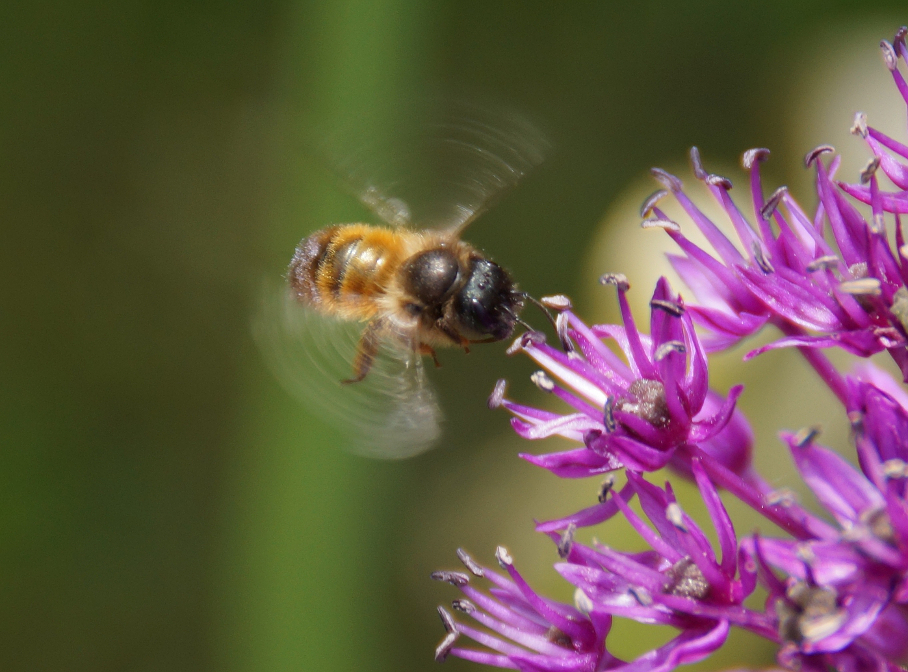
(391, 414)
(440, 174)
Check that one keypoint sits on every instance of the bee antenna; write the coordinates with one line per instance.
(566, 344)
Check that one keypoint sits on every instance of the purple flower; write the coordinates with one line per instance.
(890, 155)
(520, 629)
(643, 413)
(846, 292)
(680, 583)
(836, 582)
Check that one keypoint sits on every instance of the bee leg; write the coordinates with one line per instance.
(456, 338)
(365, 352)
(429, 350)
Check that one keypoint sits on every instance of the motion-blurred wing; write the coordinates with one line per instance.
(441, 173)
(391, 414)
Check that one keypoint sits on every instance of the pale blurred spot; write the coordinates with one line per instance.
(620, 245)
(837, 73)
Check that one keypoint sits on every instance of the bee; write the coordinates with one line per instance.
(421, 288)
(366, 302)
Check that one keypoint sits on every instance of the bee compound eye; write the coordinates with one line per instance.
(430, 276)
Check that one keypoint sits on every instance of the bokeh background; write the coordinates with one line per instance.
(164, 504)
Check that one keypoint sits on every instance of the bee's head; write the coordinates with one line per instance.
(488, 303)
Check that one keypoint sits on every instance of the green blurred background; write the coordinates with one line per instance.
(164, 505)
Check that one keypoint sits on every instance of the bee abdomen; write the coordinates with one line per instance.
(344, 267)
(308, 258)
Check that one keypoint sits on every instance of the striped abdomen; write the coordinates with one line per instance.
(341, 269)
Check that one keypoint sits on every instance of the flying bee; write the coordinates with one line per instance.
(367, 302)
(421, 288)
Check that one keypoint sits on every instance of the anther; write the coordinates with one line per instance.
(861, 287)
(470, 563)
(696, 164)
(899, 307)
(608, 418)
(497, 395)
(782, 497)
(805, 554)
(668, 348)
(903, 251)
(877, 520)
(890, 58)
(556, 302)
(666, 179)
(752, 156)
(463, 606)
(642, 595)
(815, 153)
(673, 308)
(823, 263)
(870, 169)
(619, 280)
(582, 601)
(718, 181)
(806, 435)
(457, 579)
(647, 208)
(772, 203)
(818, 627)
(443, 649)
(762, 262)
(664, 224)
(859, 127)
(900, 36)
(675, 516)
(878, 224)
(525, 339)
(542, 381)
(606, 487)
(888, 337)
(561, 328)
(566, 541)
(516, 346)
(856, 419)
(504, 558)
(447, 621)
(895, 468)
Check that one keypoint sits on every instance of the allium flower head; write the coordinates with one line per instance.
(521, 630)
(889, 154)
(836, 581)
(642, 412)
(825, 279)
(679, 583)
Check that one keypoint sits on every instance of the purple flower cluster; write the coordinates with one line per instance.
(836, 584)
